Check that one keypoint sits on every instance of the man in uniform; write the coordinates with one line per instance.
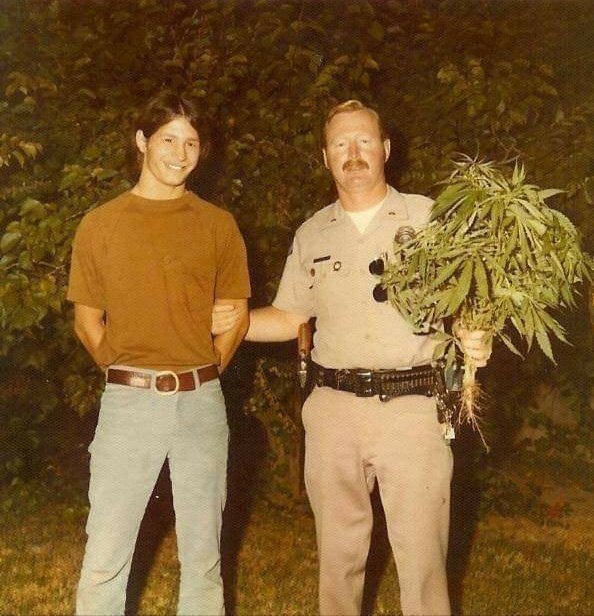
(356, 433)
(146, 269)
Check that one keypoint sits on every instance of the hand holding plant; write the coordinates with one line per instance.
(477, 345)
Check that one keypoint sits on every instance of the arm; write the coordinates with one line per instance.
(89, 326)
(270, 324)
(226, 342)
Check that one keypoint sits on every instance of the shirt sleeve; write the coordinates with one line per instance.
(296, 289)
(232, 280)
(84, 285)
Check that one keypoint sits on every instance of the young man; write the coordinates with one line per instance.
(146, 269)
(353, 437)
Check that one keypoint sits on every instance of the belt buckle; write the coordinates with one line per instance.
(167, 392)
(364, 384)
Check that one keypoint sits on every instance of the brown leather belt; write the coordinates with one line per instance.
(166, 382)
(387, 384)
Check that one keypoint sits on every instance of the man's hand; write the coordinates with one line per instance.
(477, 344)
(224, 318)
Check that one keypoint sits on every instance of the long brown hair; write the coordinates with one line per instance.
(159, 111)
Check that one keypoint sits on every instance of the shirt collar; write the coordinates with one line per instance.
(394, 206)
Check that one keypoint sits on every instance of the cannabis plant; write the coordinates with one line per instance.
(494, 256)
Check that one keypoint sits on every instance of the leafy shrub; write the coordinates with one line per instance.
(453, 76)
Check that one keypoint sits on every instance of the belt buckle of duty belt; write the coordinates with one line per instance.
(165, 382)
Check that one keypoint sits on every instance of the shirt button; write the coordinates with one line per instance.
(167, 260)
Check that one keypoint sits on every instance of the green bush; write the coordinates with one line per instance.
(450, 76)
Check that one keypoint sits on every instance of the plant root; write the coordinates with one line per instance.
(471, 401)
(470, 411)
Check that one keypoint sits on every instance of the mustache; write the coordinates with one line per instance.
(355, 165)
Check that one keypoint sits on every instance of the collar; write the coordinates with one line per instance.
(394, 207)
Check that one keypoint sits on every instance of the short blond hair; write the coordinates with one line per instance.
(348, 107)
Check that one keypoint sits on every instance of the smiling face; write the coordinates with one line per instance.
(355, 153)
(170, 154)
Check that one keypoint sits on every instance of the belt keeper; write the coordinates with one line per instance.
(319, 378)
(364, 385)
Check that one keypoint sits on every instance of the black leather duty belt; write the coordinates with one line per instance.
(387, 384)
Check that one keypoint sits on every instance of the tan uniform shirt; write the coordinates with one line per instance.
(156, 267)
(327, 276)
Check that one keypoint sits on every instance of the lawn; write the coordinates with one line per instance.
(534, 560)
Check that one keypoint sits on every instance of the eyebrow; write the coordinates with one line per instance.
(357, 135)
(196, 139)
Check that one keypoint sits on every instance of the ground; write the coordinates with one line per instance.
(523, 555)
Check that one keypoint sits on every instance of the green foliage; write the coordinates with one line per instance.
(448, 77)
(23, 418)
(275, 403)
(493, 254)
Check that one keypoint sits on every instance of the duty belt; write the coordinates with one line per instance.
(387, 384)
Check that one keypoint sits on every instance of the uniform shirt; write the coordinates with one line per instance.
(327, 276)
(155, 267)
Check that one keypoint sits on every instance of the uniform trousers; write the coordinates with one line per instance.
(352, 442)
(136, 431)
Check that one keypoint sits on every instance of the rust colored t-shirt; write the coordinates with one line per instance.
(156, 267)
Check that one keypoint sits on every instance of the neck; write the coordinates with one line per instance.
(354, 201)
(157, 192)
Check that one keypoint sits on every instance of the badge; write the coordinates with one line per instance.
(404, 234)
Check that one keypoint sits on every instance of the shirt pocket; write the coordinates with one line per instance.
(198, 292)
(330, 280)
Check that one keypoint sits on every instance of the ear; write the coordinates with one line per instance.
(386, 149)
(141, 141)
(325, 157)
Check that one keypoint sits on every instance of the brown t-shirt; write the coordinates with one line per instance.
(156, 267)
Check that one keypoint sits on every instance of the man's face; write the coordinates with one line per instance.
(170, 154)
(355, 153)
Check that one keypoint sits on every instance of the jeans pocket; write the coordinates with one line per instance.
(205, 407)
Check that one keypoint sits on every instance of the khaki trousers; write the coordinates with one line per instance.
(352, 442)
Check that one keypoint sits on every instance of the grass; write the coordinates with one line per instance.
(502, 564)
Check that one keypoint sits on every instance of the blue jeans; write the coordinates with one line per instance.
(136, 431)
